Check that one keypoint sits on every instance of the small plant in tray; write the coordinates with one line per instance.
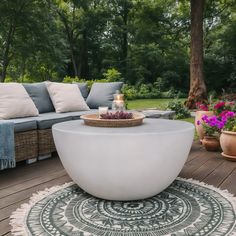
(117, 115)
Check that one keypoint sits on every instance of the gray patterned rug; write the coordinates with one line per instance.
(187, 207)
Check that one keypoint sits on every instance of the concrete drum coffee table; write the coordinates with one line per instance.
(124, 163)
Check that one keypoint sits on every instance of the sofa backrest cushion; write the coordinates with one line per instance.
(83, 89)
(66, 97)
(101, 94)
(40, 96)
(15, 102)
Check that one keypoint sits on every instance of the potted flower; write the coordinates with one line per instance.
(228, 135)
(217, 108)
(202, 109)
(222, 106)
(212, 126)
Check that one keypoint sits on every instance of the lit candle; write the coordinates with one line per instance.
(118, 102)
(102, 110)
(119, 97)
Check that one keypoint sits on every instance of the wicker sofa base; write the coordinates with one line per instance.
(32, 144)
(26, 145)
(45, 142)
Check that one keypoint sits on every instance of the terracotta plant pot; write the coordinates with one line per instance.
(228, 145)
(211, 144)
(199, 128)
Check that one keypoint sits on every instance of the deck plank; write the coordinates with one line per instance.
(194, 164)
(30, 183)
(17, 185)
(206, 169)
(25, 172)
(221, 173)
(24, 194)
(6, 212)
(5, 227)
(230, 183)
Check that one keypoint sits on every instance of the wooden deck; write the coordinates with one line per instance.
(17, 185)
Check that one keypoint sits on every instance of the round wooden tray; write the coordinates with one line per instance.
(94, 120)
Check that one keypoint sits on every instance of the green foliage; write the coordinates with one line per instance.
(70, 80)
(141, 91)
(211, 130)
(181, 111)
(231, 125)
(112, 75)
(130, 92)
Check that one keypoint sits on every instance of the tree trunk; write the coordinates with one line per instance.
(5, 59)
(125, 37)
(73, 61)
(197, 91)
(70, 38)
(83, 71)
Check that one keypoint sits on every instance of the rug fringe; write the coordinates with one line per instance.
(18, 217)
(223, 192)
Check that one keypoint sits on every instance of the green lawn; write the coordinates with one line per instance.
(190, 119)
(150, 103)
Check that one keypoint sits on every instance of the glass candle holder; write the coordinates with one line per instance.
(118, 103)
(102, 110)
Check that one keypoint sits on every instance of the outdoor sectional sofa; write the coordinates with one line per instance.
(33, 135)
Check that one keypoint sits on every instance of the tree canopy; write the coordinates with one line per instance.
(147, 41)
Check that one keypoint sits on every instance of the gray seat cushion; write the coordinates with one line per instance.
(101, 94)
(76, 115)
(40, 96)
(83, 87)
(47, 120)
(24, 124)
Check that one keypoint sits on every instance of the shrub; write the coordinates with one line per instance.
(180, 110)
(69, 79)
(155, 93)
(112, 75)
(24, 79)
(130, 92)
(144, 91)
(159, 84)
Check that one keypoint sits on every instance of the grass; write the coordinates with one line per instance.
(190, 119)
(150, 103)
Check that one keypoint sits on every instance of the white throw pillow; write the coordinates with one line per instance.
(66, 97)
(15, 102)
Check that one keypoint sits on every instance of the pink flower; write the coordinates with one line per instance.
(201, 107)
(219, 105)
(198, 122)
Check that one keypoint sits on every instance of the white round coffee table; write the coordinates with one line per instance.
(124, 163)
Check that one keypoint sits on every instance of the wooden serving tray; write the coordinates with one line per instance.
(94, 120)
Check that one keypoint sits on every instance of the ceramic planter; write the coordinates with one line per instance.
(228, 145)
(199, 128)
(210, 143)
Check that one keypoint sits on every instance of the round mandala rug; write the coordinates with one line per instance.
(186, 207)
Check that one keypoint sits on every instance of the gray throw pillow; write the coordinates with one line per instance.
(40, 96)
(101, 94)
(83, 87)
